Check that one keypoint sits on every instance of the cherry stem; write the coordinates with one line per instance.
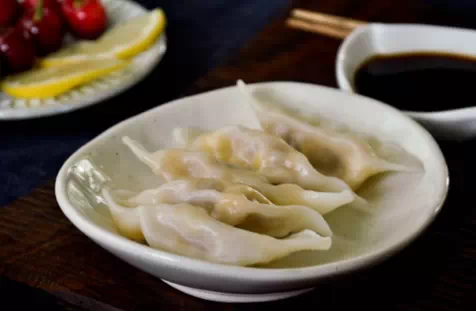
(78, 3)
(38, 11)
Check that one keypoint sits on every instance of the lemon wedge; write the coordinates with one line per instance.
(50, 82)
(125, 40)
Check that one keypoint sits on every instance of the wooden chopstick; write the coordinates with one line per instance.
(330, 25)
(338, 21)
(316, 28)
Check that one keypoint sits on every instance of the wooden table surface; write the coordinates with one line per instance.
(41, 249)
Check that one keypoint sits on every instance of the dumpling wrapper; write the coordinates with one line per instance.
(190, 231)
(322, 202)
(195, 191)
(343, 155)
(266, 154)
(173, 164)
(180, 163)
(232, 207)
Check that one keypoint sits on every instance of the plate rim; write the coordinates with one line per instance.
(14, 114)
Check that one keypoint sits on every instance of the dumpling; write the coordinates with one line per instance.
(232, 207)
(189, 230)
(266, 154)
(322, 202)
(173, 164)
(178, 163)
(126, 219)
(196, 191)
(344, 155)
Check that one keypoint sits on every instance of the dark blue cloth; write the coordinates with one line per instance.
(201, 35)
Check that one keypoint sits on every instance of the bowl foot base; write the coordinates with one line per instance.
(236, 298)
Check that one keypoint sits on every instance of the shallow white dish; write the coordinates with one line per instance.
(374, 38)
(407, 203)
(96, 91)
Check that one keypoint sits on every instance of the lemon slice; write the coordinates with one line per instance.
(124, 40)
(50, 82)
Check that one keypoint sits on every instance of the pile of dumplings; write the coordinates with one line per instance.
(245, 196)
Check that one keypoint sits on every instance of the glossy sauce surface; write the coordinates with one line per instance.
(419, 81)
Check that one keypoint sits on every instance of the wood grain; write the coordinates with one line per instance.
(41, 248)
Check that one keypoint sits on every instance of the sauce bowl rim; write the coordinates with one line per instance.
(344, 81)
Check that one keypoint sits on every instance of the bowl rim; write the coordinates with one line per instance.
(183, 263)
(344, 80)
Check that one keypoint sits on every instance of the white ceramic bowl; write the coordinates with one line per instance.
(407, 203)
(368, 40)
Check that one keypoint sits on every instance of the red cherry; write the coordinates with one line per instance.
(16, 51)
(10, 10)
(44, 26)
(87, 19)
(30, 5)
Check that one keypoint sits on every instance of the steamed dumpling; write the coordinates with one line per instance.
(346, 157)
(190, 231)
(196, 191)
(343, 155)
(266, 154)
(173, 164)
(230, 204)
(177, 163)
(322, 202)
(126, 219)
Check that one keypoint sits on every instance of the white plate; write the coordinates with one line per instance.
(407, 203)
(96, 91)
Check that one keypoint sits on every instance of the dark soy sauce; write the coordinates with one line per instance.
(419, 81)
